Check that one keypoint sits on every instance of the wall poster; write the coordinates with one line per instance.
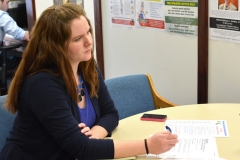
(122, 12)
(224, 20)
(172, 16)
(79, 2)
(181, 17)
(150, 14)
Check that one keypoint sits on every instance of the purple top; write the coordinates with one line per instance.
(87, 114)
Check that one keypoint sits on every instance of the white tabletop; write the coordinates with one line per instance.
(228, 147)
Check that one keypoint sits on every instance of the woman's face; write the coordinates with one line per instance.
(80, 45)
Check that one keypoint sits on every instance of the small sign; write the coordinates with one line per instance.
(79, 2)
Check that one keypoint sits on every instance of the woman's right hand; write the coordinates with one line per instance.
(161, 142)
(85, 130)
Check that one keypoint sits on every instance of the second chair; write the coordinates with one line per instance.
(7, 50)
(134, 94)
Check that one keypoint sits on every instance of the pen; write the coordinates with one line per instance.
(168, 129)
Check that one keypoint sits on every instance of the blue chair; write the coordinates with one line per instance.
(134, 94)
(6, 122)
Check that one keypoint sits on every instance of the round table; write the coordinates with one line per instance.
(228, 147)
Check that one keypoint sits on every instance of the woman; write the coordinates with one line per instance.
(64, 108)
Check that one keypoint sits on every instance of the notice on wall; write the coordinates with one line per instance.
(79, 2)
(150, 14)
(224, 20)
(122, 12)
(181, 17)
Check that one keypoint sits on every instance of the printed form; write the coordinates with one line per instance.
(214, 128)
(197, 139)
(191, 147)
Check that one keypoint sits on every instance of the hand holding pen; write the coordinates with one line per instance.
(162, 142)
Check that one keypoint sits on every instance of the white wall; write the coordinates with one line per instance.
(41, 5)
(89, 8)
(172, 62)
(224, 72)
(170, 59)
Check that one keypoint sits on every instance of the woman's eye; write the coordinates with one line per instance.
(78, 39)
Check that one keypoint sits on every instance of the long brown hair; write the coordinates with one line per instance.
(47, 51)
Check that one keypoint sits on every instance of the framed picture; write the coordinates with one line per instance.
(79, 2)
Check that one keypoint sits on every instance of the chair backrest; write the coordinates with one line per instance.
(17, 10)
(7, 50)
(131, 94)
(6, 122)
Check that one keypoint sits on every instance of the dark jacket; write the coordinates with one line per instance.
(46, 126)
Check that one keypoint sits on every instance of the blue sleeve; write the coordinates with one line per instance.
(10, 27)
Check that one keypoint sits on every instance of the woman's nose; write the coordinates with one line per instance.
(88, 40)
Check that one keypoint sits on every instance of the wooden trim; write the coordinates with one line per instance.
(159, 101)
(31, 13)
(202, 94)
(99, 35)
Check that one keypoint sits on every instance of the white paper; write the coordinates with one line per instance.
(214, 128)
(191, 147)
(196, 139)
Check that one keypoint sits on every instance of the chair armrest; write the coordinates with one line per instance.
(159, 101)
(11, 46)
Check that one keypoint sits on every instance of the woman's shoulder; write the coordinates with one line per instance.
(41, 75)
(43, 78)
(42, 82)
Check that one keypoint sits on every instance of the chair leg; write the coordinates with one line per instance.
(3, 90)
(4, 79)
